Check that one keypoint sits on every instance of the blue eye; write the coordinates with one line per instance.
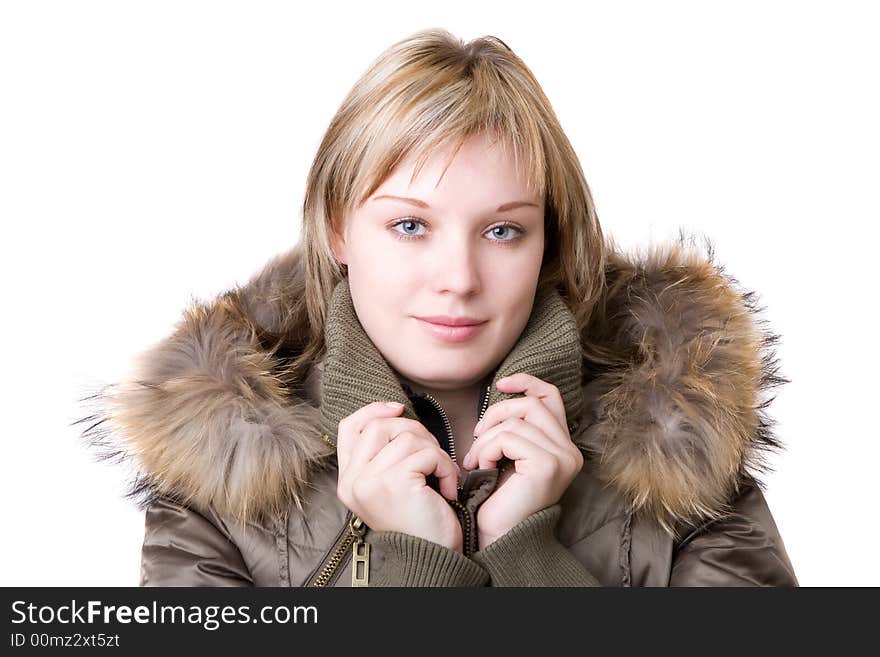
(410, 223)
(502, 228)
(407, 223)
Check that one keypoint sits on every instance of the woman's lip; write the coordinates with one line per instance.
(446, 320)
(451, 333)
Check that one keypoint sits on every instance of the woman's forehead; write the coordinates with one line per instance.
(479, 166)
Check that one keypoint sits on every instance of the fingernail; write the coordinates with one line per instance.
(478, 427)
(393, 404)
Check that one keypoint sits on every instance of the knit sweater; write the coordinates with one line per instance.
(529, 554)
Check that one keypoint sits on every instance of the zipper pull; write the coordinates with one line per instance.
(360, 554)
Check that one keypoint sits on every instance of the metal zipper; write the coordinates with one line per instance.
(360, 558)
(485, 402)
(352, 534)
(446, 424)
(449, 438)
(468, 534)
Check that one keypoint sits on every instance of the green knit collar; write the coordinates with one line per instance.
(355, 373)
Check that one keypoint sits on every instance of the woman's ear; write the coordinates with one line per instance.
(337, 243)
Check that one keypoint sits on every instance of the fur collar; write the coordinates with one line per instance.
(672, 417)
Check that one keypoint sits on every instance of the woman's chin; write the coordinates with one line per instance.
(446, 379)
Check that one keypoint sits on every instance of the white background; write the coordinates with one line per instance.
(157, 151)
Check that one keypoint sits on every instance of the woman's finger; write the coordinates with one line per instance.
(404, 444)
(519, 427)
(513, 446)
(527, 409)
(378, 432)
(426, 462)
(531, 386)
(351, 426)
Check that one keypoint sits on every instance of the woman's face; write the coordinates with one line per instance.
(468, 247)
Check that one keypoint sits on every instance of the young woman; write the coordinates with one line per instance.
(561, 413)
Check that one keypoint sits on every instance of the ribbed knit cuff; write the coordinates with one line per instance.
(414, 561)
(529, 554)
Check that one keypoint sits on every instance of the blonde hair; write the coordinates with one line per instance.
(422, 91)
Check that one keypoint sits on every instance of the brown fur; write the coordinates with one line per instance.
(680, 362)
(675, 365)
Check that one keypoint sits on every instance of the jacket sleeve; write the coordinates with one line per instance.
(413, 561)
(530, 554)
(183, 547)
(742, 548)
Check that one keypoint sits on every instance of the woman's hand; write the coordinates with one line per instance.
(383, 461)
(533, 432)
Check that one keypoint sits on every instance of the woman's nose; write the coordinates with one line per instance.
(456, 267)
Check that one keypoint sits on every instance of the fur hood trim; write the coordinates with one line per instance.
(677, 366)
(677, 413)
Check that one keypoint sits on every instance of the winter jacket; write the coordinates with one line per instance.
(236, 466)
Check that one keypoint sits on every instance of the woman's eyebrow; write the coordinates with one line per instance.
(414, 201)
